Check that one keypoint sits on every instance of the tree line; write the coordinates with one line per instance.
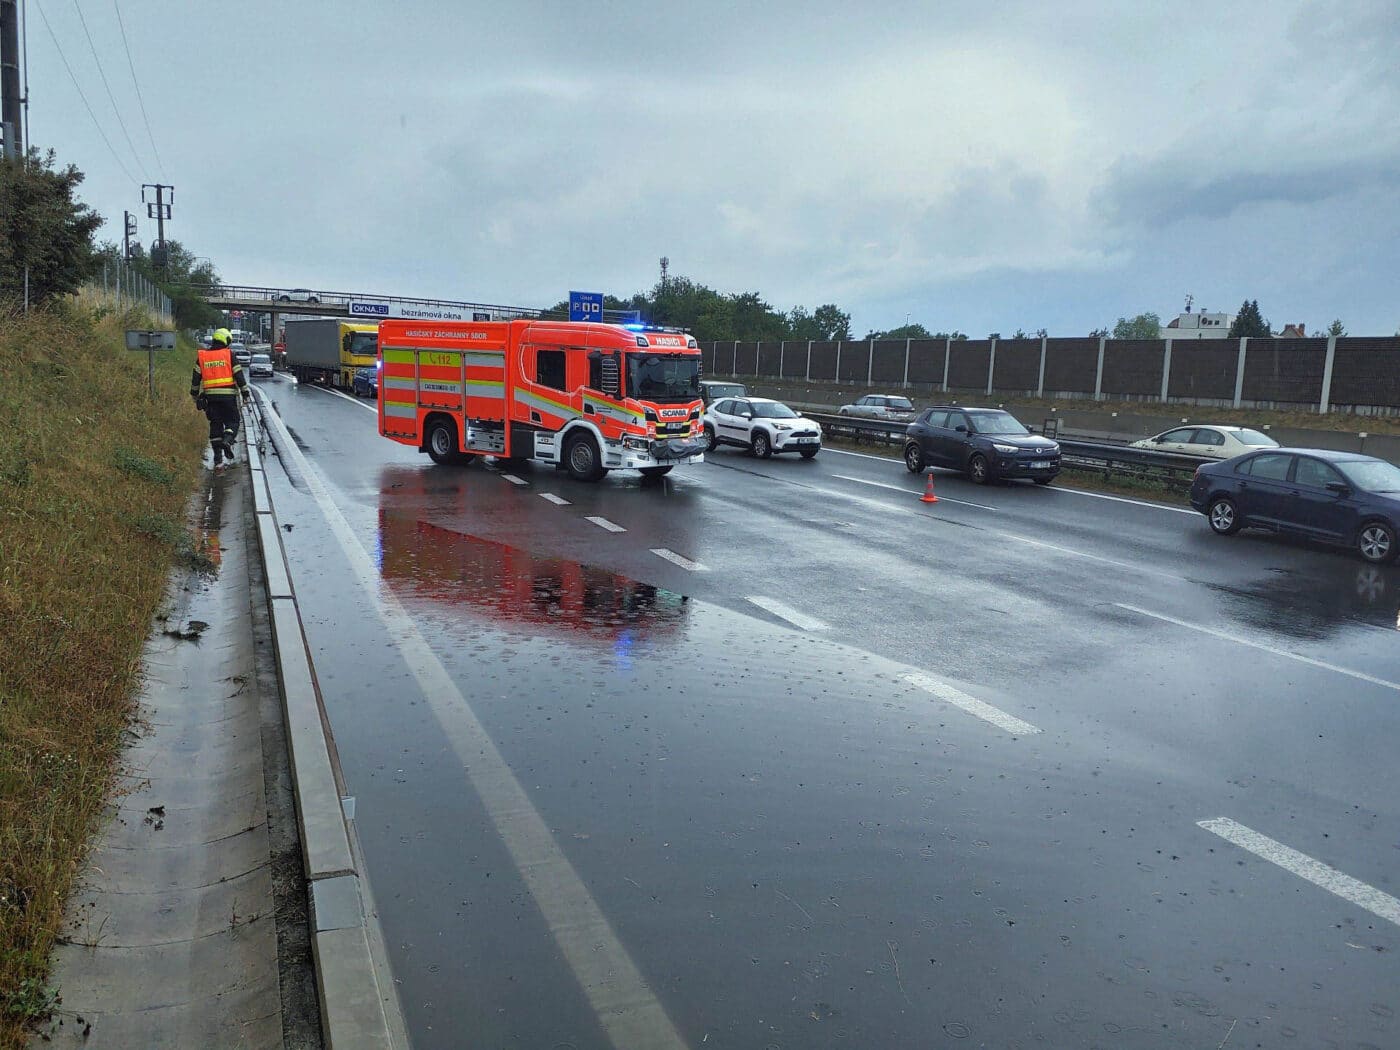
(711, 315)
(48, 248)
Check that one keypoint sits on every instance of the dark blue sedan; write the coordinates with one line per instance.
(366, 383)
(1336, 497)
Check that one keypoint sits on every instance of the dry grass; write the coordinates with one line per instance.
(94, 480)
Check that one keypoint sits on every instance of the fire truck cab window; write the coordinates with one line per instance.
(549, 369)
(595, 371)
(663, 377)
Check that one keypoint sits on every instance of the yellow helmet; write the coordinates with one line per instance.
(222, 336)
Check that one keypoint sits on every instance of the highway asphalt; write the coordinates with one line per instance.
(771, 754)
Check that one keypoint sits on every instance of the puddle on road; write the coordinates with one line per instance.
(1318, 605)
(514, 590)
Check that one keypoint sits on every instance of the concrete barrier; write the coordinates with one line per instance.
(347, 980)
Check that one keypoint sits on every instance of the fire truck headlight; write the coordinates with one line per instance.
(636, 444)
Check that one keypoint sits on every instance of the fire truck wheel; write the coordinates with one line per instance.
(657, 472)
(442, 442)
(585, 462)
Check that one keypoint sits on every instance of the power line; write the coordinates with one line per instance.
(95, 123)
(102, 73)
(137, 84)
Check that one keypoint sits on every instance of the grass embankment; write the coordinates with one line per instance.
(94, 483)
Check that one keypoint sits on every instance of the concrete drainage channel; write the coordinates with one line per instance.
(359, 1010)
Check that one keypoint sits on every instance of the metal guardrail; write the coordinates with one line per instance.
(1098, 457)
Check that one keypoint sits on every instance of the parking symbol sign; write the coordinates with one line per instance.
(585, 306)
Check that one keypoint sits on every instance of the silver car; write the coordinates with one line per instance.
(260, 365)
(1208, 441)
(881, 406)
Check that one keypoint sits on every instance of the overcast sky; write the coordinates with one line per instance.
(974, 165)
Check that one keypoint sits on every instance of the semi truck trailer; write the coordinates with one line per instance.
(326, 350)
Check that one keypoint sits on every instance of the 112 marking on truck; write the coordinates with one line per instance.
(585, 396)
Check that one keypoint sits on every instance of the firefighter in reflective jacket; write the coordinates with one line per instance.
(217, 381)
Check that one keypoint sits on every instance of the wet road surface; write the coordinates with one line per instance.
(770, 754)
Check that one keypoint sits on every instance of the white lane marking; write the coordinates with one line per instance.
(1124, 499)
(863, 455)
(558, 501)
(372, 406)
(1058, 488)
(1377, 902)
(678, 559)
(1224, 635)
(604, 523)
(514, 480)
(787, 612)
(953, 695)
(910, 492)
(621, 999)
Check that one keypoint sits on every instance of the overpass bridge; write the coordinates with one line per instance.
(308, 302)
(370, 307)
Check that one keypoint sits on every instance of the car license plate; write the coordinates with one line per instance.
(1042, 464)
(806, 441)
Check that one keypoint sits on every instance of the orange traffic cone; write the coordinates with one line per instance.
(929, 496)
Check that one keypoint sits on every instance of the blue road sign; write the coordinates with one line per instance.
(585, 306)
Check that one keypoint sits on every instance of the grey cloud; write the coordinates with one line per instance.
(1155, 195)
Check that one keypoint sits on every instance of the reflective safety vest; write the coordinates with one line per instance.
(216, 370)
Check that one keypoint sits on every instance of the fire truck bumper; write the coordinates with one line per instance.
(668, 450)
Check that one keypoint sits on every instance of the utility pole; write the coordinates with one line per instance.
(10, 114)
(130, 233)
(159, 209)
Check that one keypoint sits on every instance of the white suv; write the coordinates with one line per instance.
(761, 425)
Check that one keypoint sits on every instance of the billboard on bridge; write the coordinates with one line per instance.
(409, 311)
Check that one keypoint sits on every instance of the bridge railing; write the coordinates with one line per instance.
(245, 294)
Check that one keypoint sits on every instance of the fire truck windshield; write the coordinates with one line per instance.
(663, 377)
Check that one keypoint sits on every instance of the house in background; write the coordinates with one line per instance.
(1202, 325)
(1293, 331)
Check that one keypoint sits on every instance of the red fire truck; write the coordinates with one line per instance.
(587, 397)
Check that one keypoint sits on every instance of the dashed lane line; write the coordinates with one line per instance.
(678, 559)
(514, 480)
(558, 501)
(911, 492)
(604, 523)
(951, 694)
(798, 619)
(1377, 902)
(1262, 647)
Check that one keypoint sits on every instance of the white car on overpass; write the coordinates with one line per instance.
(761, 425)
(1211, 441)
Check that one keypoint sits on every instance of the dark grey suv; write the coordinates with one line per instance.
(984, 443)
